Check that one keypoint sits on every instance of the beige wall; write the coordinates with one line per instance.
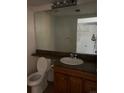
(56, 33)
(31, 41)
(31, 46)
(44, 31)
(65, 33)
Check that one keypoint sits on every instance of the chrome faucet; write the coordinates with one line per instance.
(75, 56)
(72, 55)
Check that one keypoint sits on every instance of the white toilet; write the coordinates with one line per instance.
(38, 80)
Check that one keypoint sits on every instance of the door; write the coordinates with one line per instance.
(90, 86)
(61, 83)
(75, 85)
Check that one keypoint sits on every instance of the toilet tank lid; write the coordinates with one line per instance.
(42, 64)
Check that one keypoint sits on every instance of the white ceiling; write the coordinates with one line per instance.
(37, 2)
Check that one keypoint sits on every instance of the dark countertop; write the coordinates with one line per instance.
(89, 65)
(86, 66)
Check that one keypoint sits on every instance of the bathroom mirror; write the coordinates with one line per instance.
(61, 29)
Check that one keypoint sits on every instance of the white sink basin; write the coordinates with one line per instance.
(71, 61)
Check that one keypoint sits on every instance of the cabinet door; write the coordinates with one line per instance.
(75, 85)
(90, 86)
(61, 83)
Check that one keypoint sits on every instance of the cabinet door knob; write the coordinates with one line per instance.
(63, 78)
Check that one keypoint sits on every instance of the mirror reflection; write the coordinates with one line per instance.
(87, 35)
(70, 29)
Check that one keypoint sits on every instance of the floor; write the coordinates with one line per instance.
(50, 88)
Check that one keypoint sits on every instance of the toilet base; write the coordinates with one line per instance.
(40, 88)
(37, 89)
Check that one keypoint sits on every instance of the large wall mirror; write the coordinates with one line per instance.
(70, 29)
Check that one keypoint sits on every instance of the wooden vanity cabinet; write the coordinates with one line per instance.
(75, 85)
(73, 81)
(90, 86)
(61, 83)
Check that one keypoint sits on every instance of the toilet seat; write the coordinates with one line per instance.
(35, 79)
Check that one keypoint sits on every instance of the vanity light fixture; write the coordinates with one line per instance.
(63, 3)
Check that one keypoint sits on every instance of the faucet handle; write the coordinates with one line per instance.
(71, 55)
(75, 55)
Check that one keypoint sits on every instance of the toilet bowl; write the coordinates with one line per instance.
(38, 80)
